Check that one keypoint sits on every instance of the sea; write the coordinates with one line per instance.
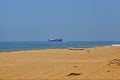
(8, 46)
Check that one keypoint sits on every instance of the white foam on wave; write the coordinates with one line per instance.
(116, 45)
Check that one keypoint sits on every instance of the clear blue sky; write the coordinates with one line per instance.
(72, 20)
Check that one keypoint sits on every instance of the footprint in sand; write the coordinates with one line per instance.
(114, 62)
(75, 66)
(74, 74)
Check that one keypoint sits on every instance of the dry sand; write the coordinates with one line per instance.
(92, 63)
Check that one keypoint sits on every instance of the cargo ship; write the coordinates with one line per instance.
(53, 39)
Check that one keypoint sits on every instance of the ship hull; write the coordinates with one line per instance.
(56, 40)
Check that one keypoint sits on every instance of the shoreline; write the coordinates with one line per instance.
(53, 49)
(31, 50)
(25, 46)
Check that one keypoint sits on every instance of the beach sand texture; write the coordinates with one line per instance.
(91, 63)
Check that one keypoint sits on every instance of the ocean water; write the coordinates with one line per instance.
(18, 46)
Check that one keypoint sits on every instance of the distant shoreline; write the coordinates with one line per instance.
(19, 51)
(45, 49)
(26, 46)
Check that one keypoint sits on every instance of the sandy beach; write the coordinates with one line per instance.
(91, 63)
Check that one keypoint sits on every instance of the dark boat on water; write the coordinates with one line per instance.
(53, 39)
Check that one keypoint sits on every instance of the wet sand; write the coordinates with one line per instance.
(91, 63)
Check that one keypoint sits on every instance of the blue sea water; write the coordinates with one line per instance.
(18, 46)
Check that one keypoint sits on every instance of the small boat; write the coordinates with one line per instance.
(76, 48)
(53, 39)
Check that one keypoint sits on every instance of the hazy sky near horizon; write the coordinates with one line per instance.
(72, 20)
